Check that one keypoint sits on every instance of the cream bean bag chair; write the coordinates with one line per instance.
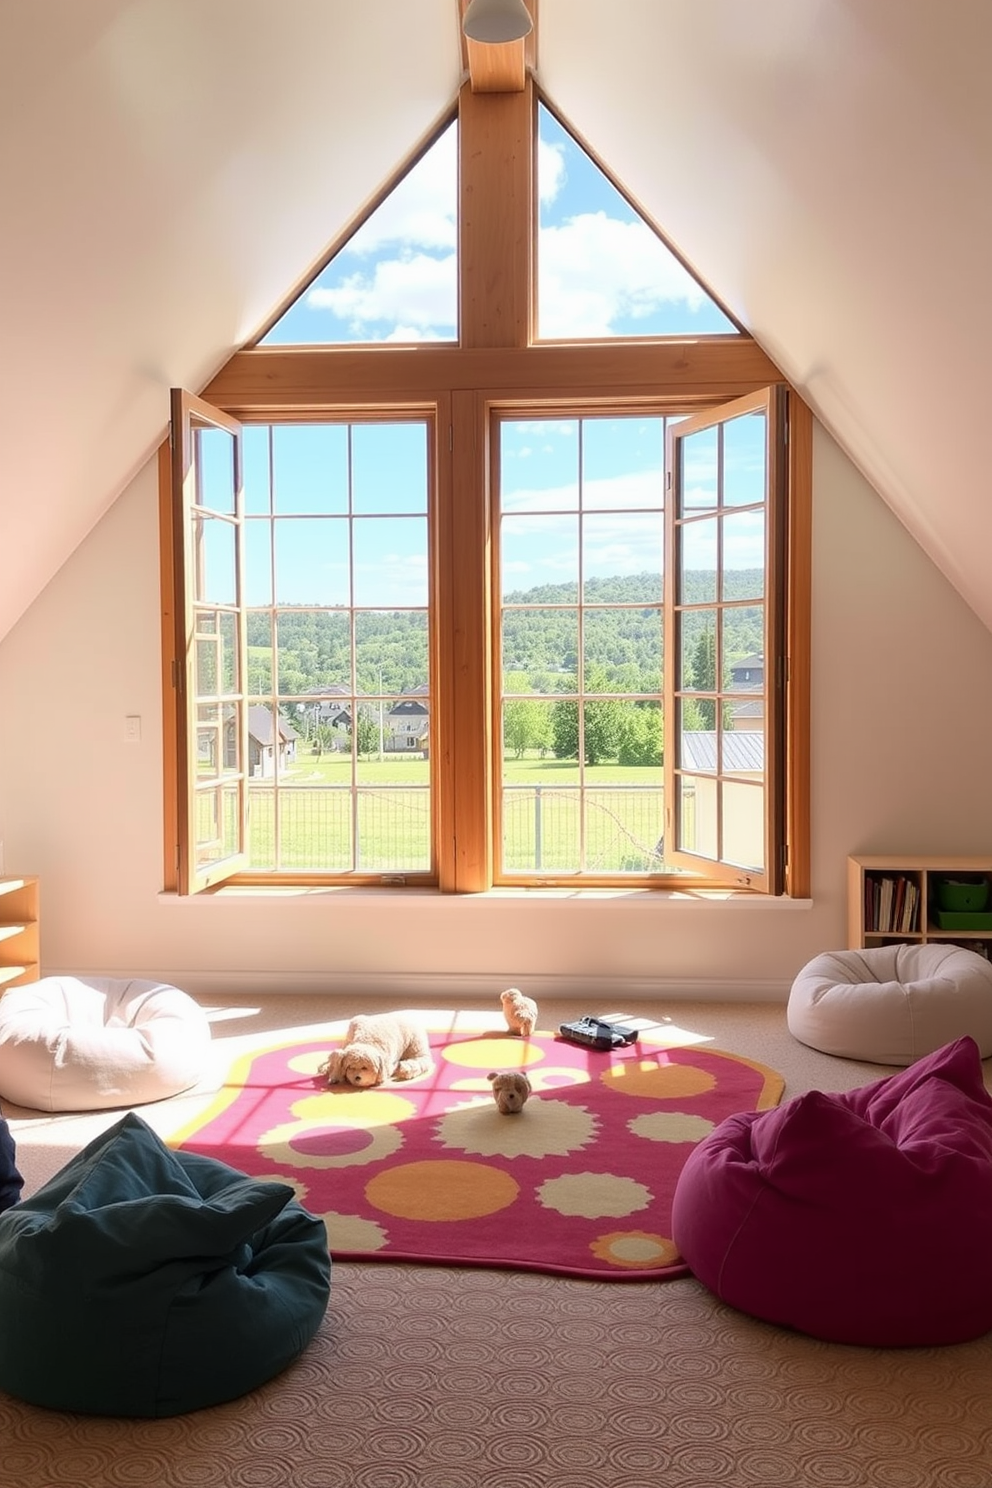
(892, 1004)
(92, 1043)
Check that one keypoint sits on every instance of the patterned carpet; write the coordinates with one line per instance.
(580, 1182)
(440, 1377)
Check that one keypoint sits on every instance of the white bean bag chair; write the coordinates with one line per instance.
(892, 1004)
(93, 1043)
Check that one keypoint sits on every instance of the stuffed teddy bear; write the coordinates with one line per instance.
(510, 1091)
(519, 1011)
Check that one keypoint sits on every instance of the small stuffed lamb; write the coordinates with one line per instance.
(510, 1091)
(519, 1011)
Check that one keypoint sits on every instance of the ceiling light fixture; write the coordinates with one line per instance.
(497, 20)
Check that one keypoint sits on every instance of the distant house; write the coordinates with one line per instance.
(743, 826)
(408, 723)
(743, 751)
(748, 675)
(331, 705)
(266, 737)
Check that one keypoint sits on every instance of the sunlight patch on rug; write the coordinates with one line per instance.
(580, 1182)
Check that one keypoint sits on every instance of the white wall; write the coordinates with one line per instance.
(902, 717)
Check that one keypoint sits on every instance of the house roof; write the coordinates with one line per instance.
(822, 165)
(260, 726)
(743, 750)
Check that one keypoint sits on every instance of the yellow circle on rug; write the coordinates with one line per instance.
(492, 1053)
(652, 1081)
(344, 1106)
(442, 1190)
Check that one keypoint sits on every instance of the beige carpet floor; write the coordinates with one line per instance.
(430, 1377)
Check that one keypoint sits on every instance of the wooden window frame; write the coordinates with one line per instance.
(497, 365)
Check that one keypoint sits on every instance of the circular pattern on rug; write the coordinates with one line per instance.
(580, 1181)
(437, 1191)
(289, 1144)
(652, 1079)
(593, 1195)
(492, 1053)
(635, 1249)
(553, 1129)
(670, 1126)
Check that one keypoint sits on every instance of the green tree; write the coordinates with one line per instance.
(602, 718)
(526, 725)
(640, 736)
(565, 729)
(367, 735)
(702, 662)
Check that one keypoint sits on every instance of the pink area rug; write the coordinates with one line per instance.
(580, 1182)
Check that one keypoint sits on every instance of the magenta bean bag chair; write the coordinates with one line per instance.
(863, 1217)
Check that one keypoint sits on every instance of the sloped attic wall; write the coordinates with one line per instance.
(169, 169)
(825, 166)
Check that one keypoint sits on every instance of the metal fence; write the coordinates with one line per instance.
(387, 828)
(603, 828)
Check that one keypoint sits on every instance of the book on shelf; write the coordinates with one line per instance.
(891, 904)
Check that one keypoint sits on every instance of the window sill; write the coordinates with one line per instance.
(639, 898)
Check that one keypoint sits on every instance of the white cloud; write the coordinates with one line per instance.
(418, 292)
(551, 173)
(421, 210)
(595, 269)
(541, 426)
(395, 579)
(637, 489)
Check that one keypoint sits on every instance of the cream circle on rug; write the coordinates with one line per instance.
(93, 1043)
(892, 1004)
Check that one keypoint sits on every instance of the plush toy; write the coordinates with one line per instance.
(510, 1091)
(382, 1046)
(519, 1011)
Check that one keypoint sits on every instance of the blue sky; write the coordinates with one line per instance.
(602, 272)
(593, 487)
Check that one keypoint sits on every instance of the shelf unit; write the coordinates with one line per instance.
(20, 944)
(865, 879)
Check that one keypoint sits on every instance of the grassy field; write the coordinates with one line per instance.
(400, 769)
(613, 824)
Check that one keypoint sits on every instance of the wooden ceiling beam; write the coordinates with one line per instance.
(499, 67)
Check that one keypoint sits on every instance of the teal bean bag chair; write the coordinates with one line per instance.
(145, 1282)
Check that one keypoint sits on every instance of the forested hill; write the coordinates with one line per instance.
(536, 640)
(541, 642)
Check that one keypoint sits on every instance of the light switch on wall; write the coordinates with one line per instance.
(132, 728)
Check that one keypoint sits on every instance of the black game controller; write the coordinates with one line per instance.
(596, 1033)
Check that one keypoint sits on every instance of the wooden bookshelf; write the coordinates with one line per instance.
(20, 952)
(894, 899)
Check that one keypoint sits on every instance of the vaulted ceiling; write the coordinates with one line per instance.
(169, 169)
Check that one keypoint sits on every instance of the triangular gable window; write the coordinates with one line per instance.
(603, 272)
(396, 278)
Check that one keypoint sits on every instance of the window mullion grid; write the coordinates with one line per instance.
(274, 670)
(580, 669)
(353, 628)
(719, 612)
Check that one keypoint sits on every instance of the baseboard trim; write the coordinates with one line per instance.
(424, 989)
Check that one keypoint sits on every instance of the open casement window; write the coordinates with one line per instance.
(212, 718)
(303, 583)
(726, 657)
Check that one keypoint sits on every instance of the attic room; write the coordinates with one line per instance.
(178, 180)
(154, 229)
